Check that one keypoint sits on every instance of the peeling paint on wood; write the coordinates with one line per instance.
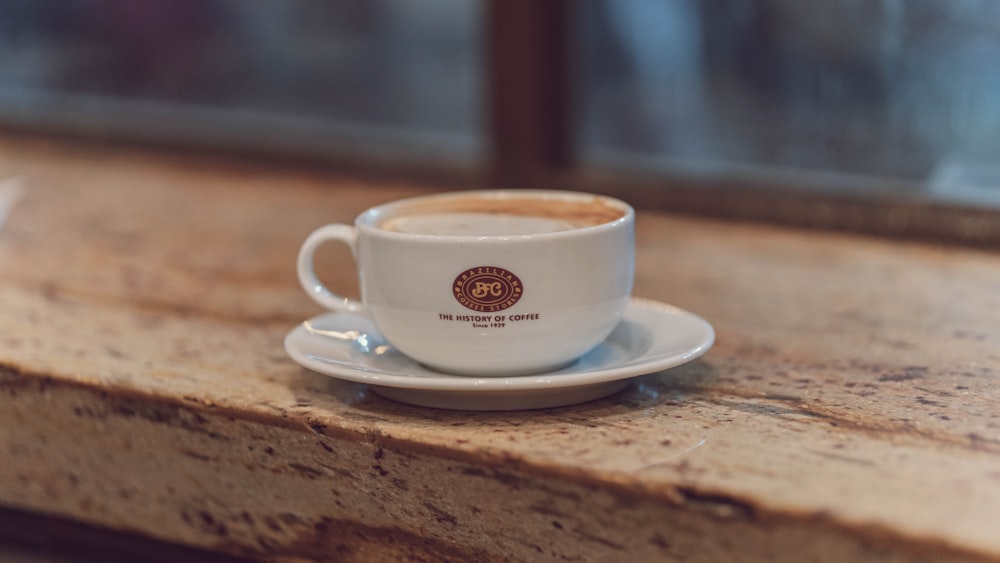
(850, 409)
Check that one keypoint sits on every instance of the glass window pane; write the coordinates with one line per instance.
(381, 74)
(891, 92)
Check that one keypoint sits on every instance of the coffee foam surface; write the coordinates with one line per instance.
(474, 224)
(499, 216)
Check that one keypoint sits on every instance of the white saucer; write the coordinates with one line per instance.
(653, 336)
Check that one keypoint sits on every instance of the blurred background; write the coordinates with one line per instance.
(860, 97)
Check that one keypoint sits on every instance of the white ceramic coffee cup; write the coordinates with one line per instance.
(527, 303)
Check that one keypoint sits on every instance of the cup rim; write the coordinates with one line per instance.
(366, 220)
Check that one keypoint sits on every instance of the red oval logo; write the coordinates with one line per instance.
(487, 288)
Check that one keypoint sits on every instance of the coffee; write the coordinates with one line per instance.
(484, 216)
(472, 301)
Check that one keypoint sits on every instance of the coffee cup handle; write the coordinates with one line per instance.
(307, 273)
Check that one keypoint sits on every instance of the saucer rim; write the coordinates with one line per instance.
(444, 382)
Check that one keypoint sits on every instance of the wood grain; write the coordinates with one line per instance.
(850, 408)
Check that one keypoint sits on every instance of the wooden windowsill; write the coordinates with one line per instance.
(848, 410)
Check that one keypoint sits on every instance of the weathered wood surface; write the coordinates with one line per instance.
(849, 410)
